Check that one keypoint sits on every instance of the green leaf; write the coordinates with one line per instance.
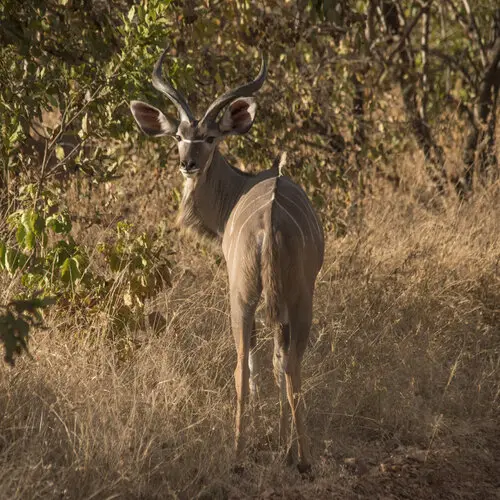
(51, 98)
(15, 135)
(70, 270)
(13, 218)
(114, 261)
(59, 223)
(60, 153)
(2, 254)
(81, 260)
(29, 240)
(10, 260)
(14, 260)
(21, 234)
(28, 220)
(85, 123)
(131, 13)
(38, 224)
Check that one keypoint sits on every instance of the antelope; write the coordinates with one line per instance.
(272, 239)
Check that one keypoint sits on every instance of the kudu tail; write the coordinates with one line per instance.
(272, 283)
(271, 265)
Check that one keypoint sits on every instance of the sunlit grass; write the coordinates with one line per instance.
(404, 354)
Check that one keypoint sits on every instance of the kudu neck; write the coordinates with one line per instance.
(208, 204)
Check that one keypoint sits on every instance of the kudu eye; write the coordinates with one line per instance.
(178, 138)
(210, 140)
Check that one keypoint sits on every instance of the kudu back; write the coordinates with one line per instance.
(271, 238)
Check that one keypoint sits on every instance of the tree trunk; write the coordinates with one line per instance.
(479, 148)
(408, 81)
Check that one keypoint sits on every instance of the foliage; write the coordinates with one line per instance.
(63, 114)
(18, 318)
(45, 255)
(64, 106)
(334, 64)
(139, 266)
(43, 251)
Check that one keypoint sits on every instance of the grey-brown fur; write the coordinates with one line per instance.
(271, 238)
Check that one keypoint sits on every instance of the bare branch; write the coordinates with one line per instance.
(454, 63)
(370, 26)
(476, 34)
(407, 32)
(408, 82)
(425, 62)
(491, 79)
(472, 34)
(443, 37)
(479, 132)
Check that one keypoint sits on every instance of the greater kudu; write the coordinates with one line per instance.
(271, 237)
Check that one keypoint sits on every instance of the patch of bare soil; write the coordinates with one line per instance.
(465, 467)
(446, 473)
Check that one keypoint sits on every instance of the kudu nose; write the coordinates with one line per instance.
(188, 165)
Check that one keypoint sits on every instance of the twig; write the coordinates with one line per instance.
(425, 62)
(408, 30)
(475, 36)
(475, 29)
(454, 62)
(443, 37)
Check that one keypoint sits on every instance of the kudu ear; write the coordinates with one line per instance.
(239, 116)
(152, 121)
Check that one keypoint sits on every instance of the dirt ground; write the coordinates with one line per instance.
(468, 467)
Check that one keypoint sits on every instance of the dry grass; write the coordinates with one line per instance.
(402, 374)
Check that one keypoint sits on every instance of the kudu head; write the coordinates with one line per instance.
(198, 139)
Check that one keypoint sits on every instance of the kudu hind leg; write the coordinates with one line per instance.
(300, 322)
(242, 316)
(253, 364)
(281, 342)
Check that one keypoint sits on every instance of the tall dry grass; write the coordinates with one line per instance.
(404, 352)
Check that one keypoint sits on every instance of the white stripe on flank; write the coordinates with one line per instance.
(311, 212)
(245, 205)
(239, 233)
(296, 223)
(301, 209)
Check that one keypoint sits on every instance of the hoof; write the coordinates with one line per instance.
(305, 470)
(238, 469)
